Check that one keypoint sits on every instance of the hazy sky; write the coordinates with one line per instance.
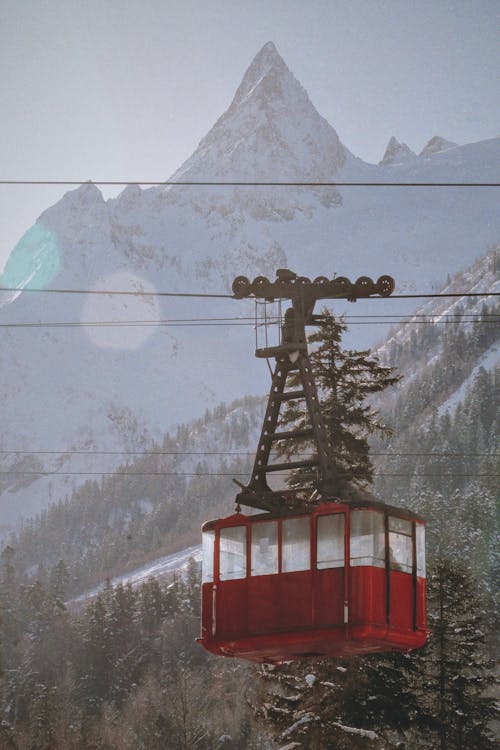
(125, 89)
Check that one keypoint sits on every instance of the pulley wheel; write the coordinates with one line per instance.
(364, 286)
(385, 285)
(241, 287)
(320, 280)
(259, 283)
(341, 284)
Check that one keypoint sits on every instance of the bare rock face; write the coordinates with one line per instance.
(436, 145)
(397, 153)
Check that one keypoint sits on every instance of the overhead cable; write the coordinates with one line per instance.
(111, 292)
(256, 183)
(491, 318)
(211, 474)
(152, 453)
(136, 293)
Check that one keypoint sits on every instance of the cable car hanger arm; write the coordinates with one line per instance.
(292, 358)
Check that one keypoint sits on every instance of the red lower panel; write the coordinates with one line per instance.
(279, 602)
(231, 608)
(328, 597)
(421, 604)
(207, 609)
(282, 618)
(294, 600)
(367, 594)
(317, 642)
(263, 605)
(402, 600)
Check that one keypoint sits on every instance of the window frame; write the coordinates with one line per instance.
(339, 562)
(400, 544)
(207, 556)
(229, 575)
(420, 551)
(306, 520)
(377, 557)
(276, 567)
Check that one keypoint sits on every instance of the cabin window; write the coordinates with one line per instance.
(420, 541)
(264, 548)
(367, 538)
(233, 553)
(400, 544)
(296, 545)
(330, 541)
(207, 546)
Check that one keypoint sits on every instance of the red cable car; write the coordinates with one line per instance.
(345, 578)
(327, 570)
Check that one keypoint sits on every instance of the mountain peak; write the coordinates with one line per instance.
(266, 62)
(85, 205)
(268, 54)
(271, 131)
(268, 48)
(435, 145)
(397, 153)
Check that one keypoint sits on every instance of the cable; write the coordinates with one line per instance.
(170, 321)
(441, 294)
(243, 183)
(129, 453)
(116, 292)
(223, 453)
(210, 474)
(125, 323)
(172, 324)
(368, 319)
(230, 296)
(123, 473)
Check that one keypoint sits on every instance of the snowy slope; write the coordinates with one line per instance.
(483, 278)
(101, 387)
(489, 360)
(160, 568)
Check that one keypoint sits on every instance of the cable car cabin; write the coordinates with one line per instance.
(339, 580)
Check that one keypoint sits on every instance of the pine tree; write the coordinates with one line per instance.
(453, 672)
(317, 705)
(345, 380)
(95, 664)
(59, 580)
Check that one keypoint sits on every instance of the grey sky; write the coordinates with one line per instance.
(119, 89)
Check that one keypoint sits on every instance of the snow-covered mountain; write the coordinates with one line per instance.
(397, 153)
(481, 278)
(400, 153)
(92, 385)
(271, 130)
(437, 144)
(163, 567)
